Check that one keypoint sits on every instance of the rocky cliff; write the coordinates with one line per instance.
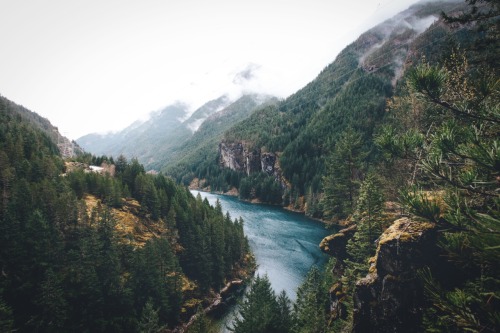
(242, 157)
(335, 245)
(233, 156)
(390, 297)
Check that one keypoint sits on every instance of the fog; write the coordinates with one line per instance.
(95, 66)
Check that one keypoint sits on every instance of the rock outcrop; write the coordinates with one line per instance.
(240, 156)
(237, 156)
(390, 297)
(335, 245)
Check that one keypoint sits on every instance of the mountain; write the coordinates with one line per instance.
(98, 252)
(156, 141)
(202, 146)
(301, 132)
(66, 147)
(140, 138)
(397, 141)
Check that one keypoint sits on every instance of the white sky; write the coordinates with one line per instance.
(98, 65)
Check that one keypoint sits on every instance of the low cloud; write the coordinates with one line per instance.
(246, 74)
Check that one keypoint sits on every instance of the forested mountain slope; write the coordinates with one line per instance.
(201, 150)
(112, 252)
(419, 199)
(66, 147)
(168, 135)
(348, 95)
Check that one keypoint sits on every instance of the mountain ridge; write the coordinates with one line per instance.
(67, 148)
(154, 141)
(350, 92)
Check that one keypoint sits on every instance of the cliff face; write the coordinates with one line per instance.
(232, 156)
(390, 297)
(239, 156)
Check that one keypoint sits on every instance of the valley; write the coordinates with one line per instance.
(394, 146)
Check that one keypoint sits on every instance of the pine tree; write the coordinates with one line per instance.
(259, 309)
(460, 157)
(284, 315)
(52, 303)
(368, 219)
(149, 319)
(6, 318)
(310, 308)
(340, 183)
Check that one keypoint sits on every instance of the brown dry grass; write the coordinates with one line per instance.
(133, 228)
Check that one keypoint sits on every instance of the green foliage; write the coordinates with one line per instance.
(458, 164)
(369, 220)
(427, 80)
(6, 318)
(340, 186)
(65, 269)
(262, 187)
(421, 204)
(149, 319)
(261, 311)
(311, 308)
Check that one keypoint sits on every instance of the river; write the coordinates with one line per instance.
(285, 244)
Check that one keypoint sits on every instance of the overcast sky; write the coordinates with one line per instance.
(98, 65)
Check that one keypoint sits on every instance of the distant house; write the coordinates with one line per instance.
(96, 169)
(104, 169)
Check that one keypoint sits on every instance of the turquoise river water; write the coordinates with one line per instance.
(285, 244)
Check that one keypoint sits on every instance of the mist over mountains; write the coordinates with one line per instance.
(394, 146)
(155, 140)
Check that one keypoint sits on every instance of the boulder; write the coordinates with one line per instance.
(390, 297)
(335, 245)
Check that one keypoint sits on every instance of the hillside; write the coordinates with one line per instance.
(404, 145)
(201, 149)
(395, 145)
(66, 147)
(168, 134)
(82, 250)
(350, 93)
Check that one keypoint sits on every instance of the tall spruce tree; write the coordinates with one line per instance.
(310, 310)
(368, 219)
(259, 312)
(340, 185)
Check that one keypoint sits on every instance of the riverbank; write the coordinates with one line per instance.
(233, 192)
(285, 244)
(214, 306)
(218, 304)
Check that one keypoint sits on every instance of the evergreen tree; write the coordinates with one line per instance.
(310, 308)
(149, 319)
(258, 313)
(460, 157)
(341, 181)
(368, 219)
(6, 318)
(284, 315)
(52, 303)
